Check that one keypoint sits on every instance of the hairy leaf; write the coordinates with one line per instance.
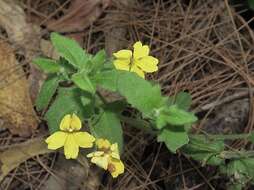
(70, 50)
(83, 82)
(106, 80)
(177, 116)
(46, 92)
(98, 61)
(174, 137)
(205, 150)
(107, 125)
(47, 65)
(67, 102)
(140, 93)
(240, 171)
(174, 116)
(183, 100)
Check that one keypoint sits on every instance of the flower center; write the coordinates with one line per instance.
(106, 150)
(111, 168)
(70, 129)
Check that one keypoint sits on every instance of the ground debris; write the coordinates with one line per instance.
(24, 36)
(13, 157)
(79, 15)
(15, 103)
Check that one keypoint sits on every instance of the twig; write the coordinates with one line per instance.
(228, 99)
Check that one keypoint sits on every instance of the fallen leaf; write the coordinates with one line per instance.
(48, 49)
(14, 156)
(25, 36)
(80, 15)
(16, 109)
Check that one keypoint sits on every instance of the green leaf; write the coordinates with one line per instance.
(174, 137)
(109, 65)
(240, 171)
(88, 102)
(88, 68)
(183, 100)
(70, 50)
(235, 186)
(47, 91)
(251, 4)
(161, 120)
(47, 65)
(242, 166)
(116, 106)
(177, 116)
(202, 149)
(98, 60)
(140, 93)
(106, 80)
(174, 116)
(251, 137)
(67, 102)
(83, 82)
(107, 125)
(68, 68)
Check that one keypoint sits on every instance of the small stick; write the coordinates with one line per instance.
(224, 100)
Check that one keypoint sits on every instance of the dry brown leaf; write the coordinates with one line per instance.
(80, 15)
(13, 157)
(48, 49)
(16, 109)
(25, 36)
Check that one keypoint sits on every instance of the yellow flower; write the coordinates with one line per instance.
(139, 61)
(70, 137)
(107, 157)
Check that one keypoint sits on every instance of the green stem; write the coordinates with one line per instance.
(224, 137)
(148, 128)
(236, 154)
(144, 125)
(139, 124)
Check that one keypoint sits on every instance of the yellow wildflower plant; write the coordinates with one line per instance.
(70, 137)
(139, 61)
(107, 157)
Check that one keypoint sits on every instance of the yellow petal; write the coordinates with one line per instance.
(84, 139)
(65, 123)
(140, 50)
(115, 167)
(115, 151)
(122, 64)
(101, 161)
(96, 153)
(75, 122)
(71, 148)
(137, 70)
(123, 54)
(56, 140)
(147, 64)
(103, 144)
